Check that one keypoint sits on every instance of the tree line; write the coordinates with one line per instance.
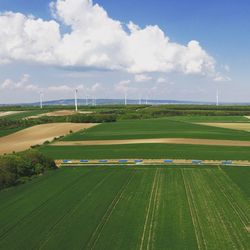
(20, 167)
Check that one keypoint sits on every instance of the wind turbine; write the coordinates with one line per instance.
(217, 97)
(125, 98)
(76, 104)
(41, 99)
(140, 100)
(93, 100)
(86, 100)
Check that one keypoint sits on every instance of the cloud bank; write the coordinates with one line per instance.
(95, 40)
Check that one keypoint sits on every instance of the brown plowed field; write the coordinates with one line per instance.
(26, 138)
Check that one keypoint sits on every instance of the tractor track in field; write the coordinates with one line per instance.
(201, 243)
(72, 210)
(97, 233)
(149, 219)
(33, 211)
(234, 205)
(214, 211)
(221, 213)
(38, 180)
(155, 205)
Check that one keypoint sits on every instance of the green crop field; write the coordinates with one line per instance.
(147, 151)
(156, 128)
(128, 208)
(8, 131)
(198, 118)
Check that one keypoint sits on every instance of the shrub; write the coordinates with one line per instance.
(17, 168)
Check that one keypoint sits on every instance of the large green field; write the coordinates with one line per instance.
(128, 208)
(156, 128)
(147, 151)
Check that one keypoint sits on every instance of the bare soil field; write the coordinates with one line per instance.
(59, 113)
(161, 140)
(35, 135)
(237, 126)
(6, 113)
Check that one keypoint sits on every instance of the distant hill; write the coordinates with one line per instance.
(67, 102)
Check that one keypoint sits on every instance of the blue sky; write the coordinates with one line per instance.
(221, 27)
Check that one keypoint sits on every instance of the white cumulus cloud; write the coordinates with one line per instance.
(23, 84)
(142, 78)
(95, 40)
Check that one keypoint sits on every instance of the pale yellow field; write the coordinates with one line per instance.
(59, 113)
(6, 113)
(157, 140)
(237, 126)
(26, 138)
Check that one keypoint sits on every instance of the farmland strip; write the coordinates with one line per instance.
(151, 231)
(237, 209)
(72, 210)
(198, 231)
(149, 208)
(32, 212)
(96, 234)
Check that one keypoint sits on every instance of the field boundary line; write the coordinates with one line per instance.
(148, 210)
(96, 234)
(3, 235)
(237, 209)
(73, 209)
(193, 213)
(38, 180)
(150, 234)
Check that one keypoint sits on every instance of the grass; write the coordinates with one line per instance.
(126, 208)
(241, 176)
(147, 151)
(156, 128)
(8, 131)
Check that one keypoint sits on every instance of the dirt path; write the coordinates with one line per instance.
(6, 113)
(161, 140)
(60, 113)
(26, 138)
(238, 126)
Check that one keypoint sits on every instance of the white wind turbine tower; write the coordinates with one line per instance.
(76, 104)
(125, 98)
(41, 99)
(140, 100)
(93, 100)
(217, 97)
(86, 100)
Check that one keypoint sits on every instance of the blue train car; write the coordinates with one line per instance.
(67, 161)
(168, 161)
(196, 162)
(123, 161)
(227, 162)
(84, 161)
(138, 161)
(103, 161)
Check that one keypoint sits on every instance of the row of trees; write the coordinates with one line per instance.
(77, 118)
(20, 167)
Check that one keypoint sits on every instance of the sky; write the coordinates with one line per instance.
(151, 49)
